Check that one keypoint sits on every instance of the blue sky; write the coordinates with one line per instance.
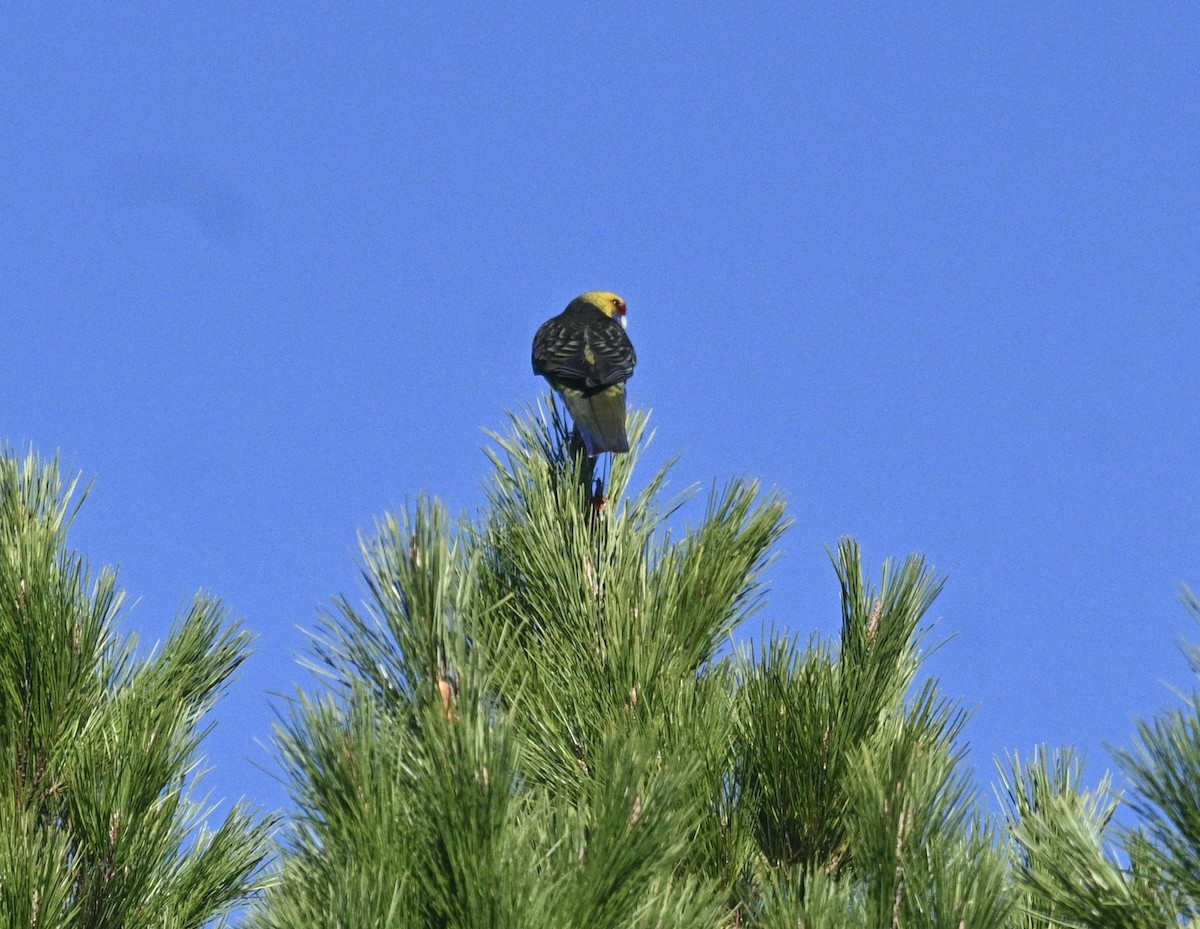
(930, 271)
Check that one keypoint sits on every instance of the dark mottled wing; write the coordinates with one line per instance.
(590, 349)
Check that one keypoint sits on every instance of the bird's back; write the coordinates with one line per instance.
(584, 349)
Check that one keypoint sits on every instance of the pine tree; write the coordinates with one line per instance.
(532, 721)
(1074, 866)
(1163, 768)
(98, 827)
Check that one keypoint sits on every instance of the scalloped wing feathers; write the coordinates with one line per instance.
(586, 356)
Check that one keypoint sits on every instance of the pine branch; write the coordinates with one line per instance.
(98, 826)
(1163, 768)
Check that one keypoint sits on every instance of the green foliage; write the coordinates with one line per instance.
(1073, 867)
(99, 747)
(495, 749)
(534, 720)
(806, 716)
(1066, 868)
(530, 723)
(1163, 768)
(848, 788)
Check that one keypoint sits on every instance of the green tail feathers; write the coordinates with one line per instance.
(600, 419)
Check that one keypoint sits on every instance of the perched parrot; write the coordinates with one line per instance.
(585, 355)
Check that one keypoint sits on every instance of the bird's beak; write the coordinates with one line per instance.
(624, 322)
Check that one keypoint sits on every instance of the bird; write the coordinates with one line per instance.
(585, 355)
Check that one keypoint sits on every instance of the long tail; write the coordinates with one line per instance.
(600, 419)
